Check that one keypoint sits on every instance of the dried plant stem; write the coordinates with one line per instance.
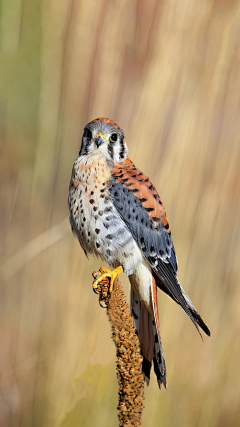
(129, 359)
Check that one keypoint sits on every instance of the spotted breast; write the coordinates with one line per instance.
(93, 217)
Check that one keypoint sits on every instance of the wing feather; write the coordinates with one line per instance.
(140, 207)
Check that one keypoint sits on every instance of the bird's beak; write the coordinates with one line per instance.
(100, 139)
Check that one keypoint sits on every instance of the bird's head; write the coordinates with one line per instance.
(105, 137)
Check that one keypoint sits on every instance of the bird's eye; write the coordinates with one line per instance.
(87, 134)
(114, 137)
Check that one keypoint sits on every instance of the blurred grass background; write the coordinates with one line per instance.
(169, 73)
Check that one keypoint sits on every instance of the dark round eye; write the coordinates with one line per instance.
(87, 134)
(114, 137)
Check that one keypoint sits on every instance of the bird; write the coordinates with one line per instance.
(117, 214)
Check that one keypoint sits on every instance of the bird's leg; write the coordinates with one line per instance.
(112, 274)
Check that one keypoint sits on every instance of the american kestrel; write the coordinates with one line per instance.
(117, 214)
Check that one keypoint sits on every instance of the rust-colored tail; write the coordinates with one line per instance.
(148, 331)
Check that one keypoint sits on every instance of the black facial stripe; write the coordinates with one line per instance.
(122, 151)
(82, 151)
(85, 147)
(110, 149)
(87, 134)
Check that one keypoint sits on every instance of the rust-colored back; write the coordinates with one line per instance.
(130, 176)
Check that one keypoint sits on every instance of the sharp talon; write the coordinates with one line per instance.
(95, 274)
(95, 291)
(101, 304)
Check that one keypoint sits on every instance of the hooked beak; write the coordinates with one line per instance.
(99, 139)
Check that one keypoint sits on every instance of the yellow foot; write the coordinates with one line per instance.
(112, 274)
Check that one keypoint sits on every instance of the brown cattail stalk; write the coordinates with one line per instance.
(129, 359)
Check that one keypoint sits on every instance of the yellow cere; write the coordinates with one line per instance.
(102, 136)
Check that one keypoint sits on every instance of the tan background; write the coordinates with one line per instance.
(169, 73)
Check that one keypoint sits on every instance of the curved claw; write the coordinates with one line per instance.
(95, 290)
(101, 305)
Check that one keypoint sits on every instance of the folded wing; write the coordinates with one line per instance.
(139, 205)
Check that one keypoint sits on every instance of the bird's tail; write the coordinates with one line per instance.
(148, 331)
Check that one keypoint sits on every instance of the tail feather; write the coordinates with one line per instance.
(148, 331)
(146, 369)
(158, 360)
